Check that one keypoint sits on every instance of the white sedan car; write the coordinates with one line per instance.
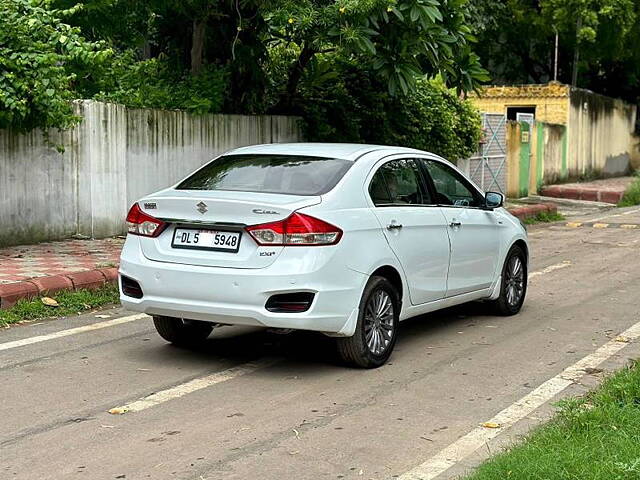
(343, 239)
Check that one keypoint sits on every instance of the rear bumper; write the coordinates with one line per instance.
(238, 296)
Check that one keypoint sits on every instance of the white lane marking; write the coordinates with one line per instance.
(631, 211)
(612, 216)
(550, 268)
(476, 438)
(193, 386)
(70, 331)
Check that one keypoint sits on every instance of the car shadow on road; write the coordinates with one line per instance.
(241, 344)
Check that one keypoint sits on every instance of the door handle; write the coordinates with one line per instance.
(394, 226)
(455, 224)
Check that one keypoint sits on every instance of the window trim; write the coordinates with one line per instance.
(422, 183)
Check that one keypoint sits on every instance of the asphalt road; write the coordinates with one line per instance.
(251, 404)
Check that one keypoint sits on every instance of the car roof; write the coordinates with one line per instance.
(345, 151)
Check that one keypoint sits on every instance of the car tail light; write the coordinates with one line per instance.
(296, 229)
(140, 223)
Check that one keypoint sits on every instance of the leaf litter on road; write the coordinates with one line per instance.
(49, 302)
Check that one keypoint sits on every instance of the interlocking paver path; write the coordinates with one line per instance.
(55, 258)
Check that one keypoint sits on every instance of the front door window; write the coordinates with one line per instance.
(450, 188)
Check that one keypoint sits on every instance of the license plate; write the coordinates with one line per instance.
(204, 239)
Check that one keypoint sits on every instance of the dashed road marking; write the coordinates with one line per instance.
(602, 225)
(550, 268)
(71, 331)
(193, 386)
(630, 212)
(476, 438)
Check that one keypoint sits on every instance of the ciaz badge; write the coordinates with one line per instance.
(260, 211)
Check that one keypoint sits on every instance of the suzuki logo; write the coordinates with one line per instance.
(201, 207)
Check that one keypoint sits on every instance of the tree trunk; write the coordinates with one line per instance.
(146, 49)
(576, 54)
(295, 74)
(197, 45)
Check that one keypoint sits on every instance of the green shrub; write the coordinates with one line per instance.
(354, 106)
(155, 83)
(436, 120)
(39, 58)
(632, 193)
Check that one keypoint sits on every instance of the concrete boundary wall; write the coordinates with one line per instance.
(114, 156)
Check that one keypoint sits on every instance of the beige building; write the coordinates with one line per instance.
(587, 133)
(549, 103)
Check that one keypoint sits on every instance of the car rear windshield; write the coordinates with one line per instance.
(288, 174)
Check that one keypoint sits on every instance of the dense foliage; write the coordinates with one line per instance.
(354, 107)
(39, 60)
(237, 56)
(400, 40)
(154, 83)
(597, 42)
(357, 70)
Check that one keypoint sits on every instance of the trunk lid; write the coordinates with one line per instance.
(221, 211)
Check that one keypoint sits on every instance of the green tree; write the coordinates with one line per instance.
(516, 40)
(401, 40)
(39, 55)
(600, 25)
(354, 106)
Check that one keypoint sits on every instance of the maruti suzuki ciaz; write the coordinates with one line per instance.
(343, 239)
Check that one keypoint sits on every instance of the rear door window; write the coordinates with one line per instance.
(398, 182)
(286, 174)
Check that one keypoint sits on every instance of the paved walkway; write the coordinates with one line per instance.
(57, 258)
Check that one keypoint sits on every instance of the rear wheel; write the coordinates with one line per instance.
(375, 336)
(182, 332)
(514, 283)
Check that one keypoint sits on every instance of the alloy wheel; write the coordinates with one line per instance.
(378, 322)
(514, 279)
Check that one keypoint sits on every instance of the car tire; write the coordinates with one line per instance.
(513, 288)
(182, 332)
(376, 332)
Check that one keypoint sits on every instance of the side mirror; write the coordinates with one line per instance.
(493, 200)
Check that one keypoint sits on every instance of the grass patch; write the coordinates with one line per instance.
(632, 194)
(71, 303)
(544, 217)
(595, 437)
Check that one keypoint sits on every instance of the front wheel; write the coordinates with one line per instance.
(182, 332)
(514, 283)
(376, 331)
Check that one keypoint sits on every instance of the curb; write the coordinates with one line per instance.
(10, 293)
(577, 193)
(532, 210)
